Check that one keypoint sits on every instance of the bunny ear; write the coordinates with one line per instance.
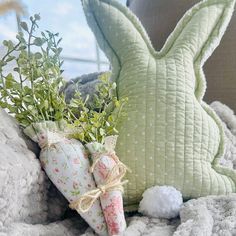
(118, 32)
(198, 34)
(201, 29)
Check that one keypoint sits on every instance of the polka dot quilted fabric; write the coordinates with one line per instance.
(169, 136)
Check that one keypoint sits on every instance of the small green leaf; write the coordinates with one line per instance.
(114, 86)
(38, 42)
(3, 104)
(92, 136)
(5, 43)
(102, 131)
(9, 44)
(38, 55)
(24, 26)
(27, 99)
(59, 50)
(58, 115)
(46, 104)
(30, 107)
(23, 47)
(2, 63)
(115, 130)
(37, 17)
(9, 81)
(10, 58)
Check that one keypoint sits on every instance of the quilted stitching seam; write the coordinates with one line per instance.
(206, 49)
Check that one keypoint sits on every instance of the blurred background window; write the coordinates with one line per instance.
(81, 54)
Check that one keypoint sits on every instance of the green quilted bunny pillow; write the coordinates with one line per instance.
(170, 136)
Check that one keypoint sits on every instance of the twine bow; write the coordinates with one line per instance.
(113, 182)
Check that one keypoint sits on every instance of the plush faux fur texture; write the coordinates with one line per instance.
(29, 205)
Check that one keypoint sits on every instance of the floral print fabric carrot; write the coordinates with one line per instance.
(66, 164)
(108, 172)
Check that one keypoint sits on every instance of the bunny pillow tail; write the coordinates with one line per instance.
(67, 166)
(169, 136)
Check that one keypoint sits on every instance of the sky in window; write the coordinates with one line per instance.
(67, 18)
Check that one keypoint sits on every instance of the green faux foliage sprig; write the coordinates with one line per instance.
(32, 93)
(100, 120)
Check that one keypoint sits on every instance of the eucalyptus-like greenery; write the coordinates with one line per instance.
(32, 91)
(100, 120)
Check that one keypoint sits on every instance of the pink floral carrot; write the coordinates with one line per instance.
(105, 163)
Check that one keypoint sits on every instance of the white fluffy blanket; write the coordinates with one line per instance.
(30, 206)
(209, 216)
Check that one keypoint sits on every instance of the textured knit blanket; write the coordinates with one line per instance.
(29, 205)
